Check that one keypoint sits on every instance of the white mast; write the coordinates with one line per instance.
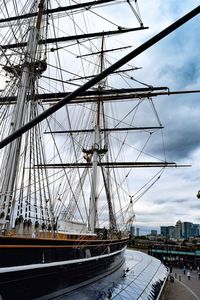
(95, 150)
(13, 150)
(93, 197)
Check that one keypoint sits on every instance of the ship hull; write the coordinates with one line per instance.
(36, 280)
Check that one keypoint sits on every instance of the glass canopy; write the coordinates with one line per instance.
(140, 278)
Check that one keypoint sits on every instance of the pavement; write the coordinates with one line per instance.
(182, 288)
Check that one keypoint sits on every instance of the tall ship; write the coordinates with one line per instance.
(72, 140)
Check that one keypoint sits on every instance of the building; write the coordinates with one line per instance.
(178, 230)
(171, 232)
(132, 230)
(195, 230)
(176, 254)
(164, 230)
(153, 232)
(186, 230)
(182, 230)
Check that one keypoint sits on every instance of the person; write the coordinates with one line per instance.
(191, 268)
(34, 234)
(188, 275)
(197, 269)
(184, 270)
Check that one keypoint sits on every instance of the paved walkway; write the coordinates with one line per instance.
(182, 288)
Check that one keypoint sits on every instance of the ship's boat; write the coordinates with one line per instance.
(68, 148)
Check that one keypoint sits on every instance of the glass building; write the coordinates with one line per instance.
(164, 230)
(187, 229)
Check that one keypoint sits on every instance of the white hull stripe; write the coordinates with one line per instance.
(59, 263)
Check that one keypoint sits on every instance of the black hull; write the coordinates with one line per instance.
(56, 276)
(36, 283)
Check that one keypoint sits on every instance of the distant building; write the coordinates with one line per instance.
(178, 230)
(186, 230)
(132, 230)
(195, 230)
(182, 230)
(153, 232)
(171, 232)
(164, 230)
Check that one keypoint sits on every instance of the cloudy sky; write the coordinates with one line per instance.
(173, 62)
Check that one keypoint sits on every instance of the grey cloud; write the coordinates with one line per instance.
(195, 206)
(164, 201)
(174, 62)
(181, 137)
(184, 75)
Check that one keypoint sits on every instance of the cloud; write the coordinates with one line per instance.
(163, 201)
(173, 62)
(184, 74)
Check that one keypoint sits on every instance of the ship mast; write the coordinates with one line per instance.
(13, 149)
(98, 149)
(105, 174)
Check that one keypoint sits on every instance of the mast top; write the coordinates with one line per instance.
(40, 13)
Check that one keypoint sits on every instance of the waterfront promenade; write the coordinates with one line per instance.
(182, 288)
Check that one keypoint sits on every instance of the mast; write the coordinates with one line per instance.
(100, 148)
(86, 5)
(79, 91)
(96, 148)
(75, 37)
(13, 150)
(106, 173)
